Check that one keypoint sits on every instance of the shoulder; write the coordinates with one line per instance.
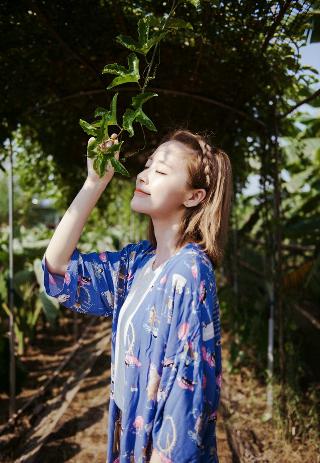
(190, 277)
(193, 264)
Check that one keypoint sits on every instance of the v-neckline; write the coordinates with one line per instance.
(151, 260)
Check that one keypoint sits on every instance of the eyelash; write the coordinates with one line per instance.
(146, 167)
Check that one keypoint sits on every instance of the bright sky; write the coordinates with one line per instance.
(310, 56)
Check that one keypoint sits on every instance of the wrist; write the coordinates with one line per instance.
(96, 184)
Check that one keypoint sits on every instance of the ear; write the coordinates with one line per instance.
(195, 197)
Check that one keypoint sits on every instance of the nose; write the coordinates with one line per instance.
(140, 178)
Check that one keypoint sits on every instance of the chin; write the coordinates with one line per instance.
(137, 206)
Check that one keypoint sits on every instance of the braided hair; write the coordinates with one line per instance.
(207, 155)
(208, 167)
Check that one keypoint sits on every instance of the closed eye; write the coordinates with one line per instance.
(146, 167)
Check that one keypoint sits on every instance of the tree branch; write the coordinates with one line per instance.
(275, 24)
(164, 91)
(306, 100)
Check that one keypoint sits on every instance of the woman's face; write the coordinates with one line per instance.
(164, 180)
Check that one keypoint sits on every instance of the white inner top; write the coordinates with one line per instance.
(143, 282)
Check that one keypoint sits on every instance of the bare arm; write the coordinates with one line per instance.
(69, 229)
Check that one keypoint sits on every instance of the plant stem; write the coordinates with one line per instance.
(174, 6)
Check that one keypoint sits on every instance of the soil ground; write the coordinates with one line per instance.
(81, 436)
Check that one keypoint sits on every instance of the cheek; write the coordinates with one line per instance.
(167, 192)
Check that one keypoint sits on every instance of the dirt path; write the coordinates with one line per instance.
(73, 426)
(81, 436)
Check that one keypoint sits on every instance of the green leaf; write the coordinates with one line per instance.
(114, 148)
(131, 116)
(195, 3)
(96, 164)
(92, 149)
(153, 41)
(144, 120)
(143, 29)
(103, 127)
(49, 307)
(113, 108)
(128, 119)
(36, 313)
(96, 124)
(114, 68)
(118, 167)
(99, 112)
(171, 23)
(175, 23)
(88, 128)
(102, 165)
(49, 304)
(144, 43)
(108, 118)
(102, 158)
(124, 75)
(141, 98)
(128, 42)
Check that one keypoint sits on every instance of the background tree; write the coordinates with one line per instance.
(236, 74)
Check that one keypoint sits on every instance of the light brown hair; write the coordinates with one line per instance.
(206, 223)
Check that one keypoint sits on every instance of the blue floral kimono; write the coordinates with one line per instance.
(173, 361)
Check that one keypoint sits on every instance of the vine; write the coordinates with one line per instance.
(102, 147)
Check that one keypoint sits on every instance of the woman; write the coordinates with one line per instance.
(166, 341)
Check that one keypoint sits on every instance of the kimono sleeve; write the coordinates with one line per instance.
(184, 425)
(90, 281)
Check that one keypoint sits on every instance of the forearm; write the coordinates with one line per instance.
(69, 229)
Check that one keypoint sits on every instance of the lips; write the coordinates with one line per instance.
(137, 190)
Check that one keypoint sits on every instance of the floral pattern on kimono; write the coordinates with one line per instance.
(173, 349)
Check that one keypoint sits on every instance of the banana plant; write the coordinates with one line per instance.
(30, 300)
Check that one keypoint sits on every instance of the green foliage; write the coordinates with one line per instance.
(125, 75)
(223, 74)
(144, 43)
(136, 114)
(88, 128)
(314, 16)
(49, 304)
(216, 59)
(30, 299)
(194, 2)
(100, 149)
(35, 200)
(302, 185)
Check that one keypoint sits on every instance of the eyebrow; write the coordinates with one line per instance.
(162, 162)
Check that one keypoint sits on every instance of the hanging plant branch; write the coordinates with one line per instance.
(103, 147)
